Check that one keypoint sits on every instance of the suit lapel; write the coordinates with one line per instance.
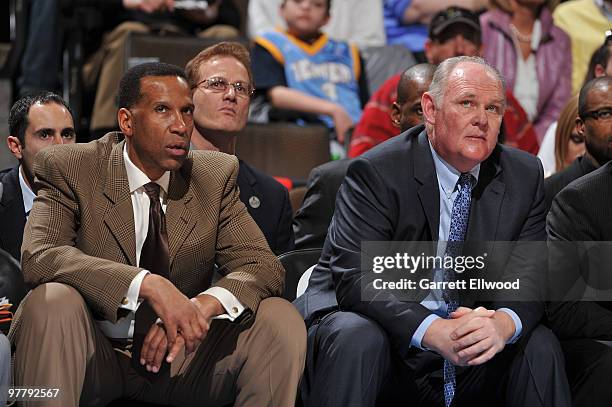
(120, 217)
(427, 182)
(487, 199)
(180, 214)
(12, 211)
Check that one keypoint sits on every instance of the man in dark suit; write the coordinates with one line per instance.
(579, 227)
(432, 185)
(595, 96)
(221, 111)
(121, 245)
(35, 122)
(312, 219)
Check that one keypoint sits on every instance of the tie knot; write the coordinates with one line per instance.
(466, 180)
(152, 190)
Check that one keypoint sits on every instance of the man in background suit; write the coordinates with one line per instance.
(408, 189)
(581, 216)
(35, 122)
(312, 219)
(120, 248)
(595, 96)
(221, 112)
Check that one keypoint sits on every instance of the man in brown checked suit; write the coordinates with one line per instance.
(123, 236)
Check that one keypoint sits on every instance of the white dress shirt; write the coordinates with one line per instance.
(124, 328)
(26, 192)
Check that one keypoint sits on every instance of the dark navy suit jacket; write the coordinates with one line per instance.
(12, 213)
(267, 201)
(391, 194)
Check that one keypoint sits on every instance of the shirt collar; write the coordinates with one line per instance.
(447, 174)
(137, 178)
(26, 192)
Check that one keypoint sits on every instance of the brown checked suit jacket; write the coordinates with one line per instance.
(81, 228)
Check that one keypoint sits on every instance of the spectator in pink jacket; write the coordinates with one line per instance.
(520, 40)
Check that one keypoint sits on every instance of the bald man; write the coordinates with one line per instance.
(312, 219)
(595, 128)
(406, 111)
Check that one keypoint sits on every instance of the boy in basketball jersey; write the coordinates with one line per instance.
(302, 69)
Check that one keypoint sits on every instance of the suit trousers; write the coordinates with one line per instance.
(589, 368)
(351, 362)
(258, 362)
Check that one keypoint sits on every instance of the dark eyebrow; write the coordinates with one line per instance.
(44, 130)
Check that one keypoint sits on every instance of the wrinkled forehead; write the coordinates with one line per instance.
(225, 66)
(599, 96)
(154, 88)
(475, 77)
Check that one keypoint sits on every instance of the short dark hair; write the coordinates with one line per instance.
(129, 87)
(18, 116)
(599, 57)
(328, 5)
(584, 93)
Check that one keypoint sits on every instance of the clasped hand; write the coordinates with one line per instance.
(185, 322)
(470, 337)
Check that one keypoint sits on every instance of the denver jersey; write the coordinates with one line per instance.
(327, 69)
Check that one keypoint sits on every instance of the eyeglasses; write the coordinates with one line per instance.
(601, 114)
(220, 85)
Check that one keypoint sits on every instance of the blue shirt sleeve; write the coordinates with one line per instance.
(517, 324)
(397, 7)
(420, 331)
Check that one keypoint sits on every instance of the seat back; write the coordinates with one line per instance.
(12, 286)
(284, 149)
(296, 262)
(11, 51)
(381, 63)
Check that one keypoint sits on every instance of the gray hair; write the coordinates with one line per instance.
(446, 67)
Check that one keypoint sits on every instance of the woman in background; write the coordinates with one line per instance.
(569, 145)
(534, 56)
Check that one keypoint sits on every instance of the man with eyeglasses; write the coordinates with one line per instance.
(222, 85)
(594, 125)
(581, 213)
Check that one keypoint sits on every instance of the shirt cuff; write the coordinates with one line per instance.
(233, 307)
(517, 323)
(131, 300)
(420, 331)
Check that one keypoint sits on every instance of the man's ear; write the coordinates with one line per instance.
(599, 71)
(15, 146)
(396, 114)
(429, 108)
(580, 126)
(126, 121)
(428, 51)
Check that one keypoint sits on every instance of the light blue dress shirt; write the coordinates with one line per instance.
(447, 183)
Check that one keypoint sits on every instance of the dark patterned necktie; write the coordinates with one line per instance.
(153, 257)
(458, 227)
